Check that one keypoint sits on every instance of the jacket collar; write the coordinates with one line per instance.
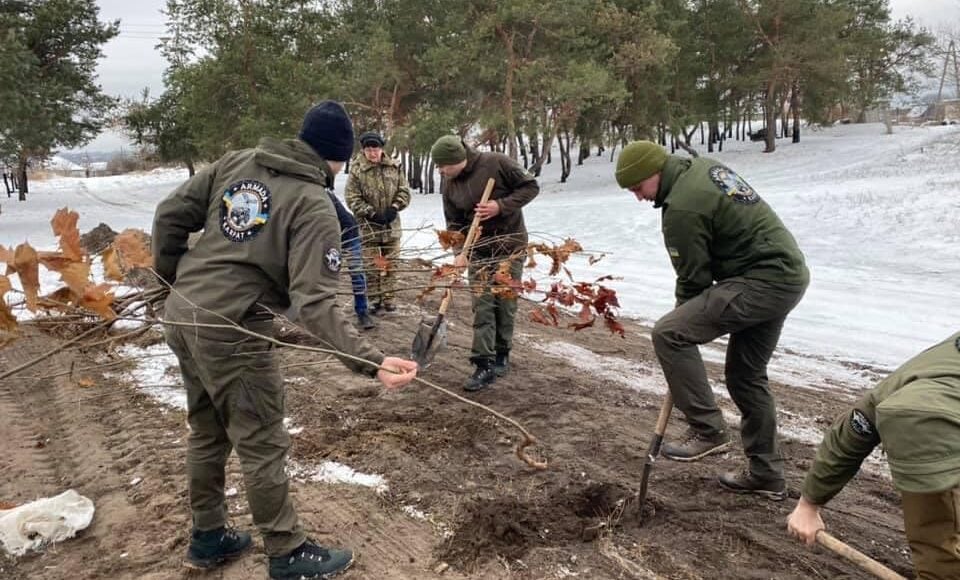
(672, 169)
(364, 164)
(295, 158)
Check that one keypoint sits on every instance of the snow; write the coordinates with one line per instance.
(875, 214)
(333, 472)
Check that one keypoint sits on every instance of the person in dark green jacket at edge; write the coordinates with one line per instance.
(271, 241)
(464, 173)
(739, 272)
(915, 414)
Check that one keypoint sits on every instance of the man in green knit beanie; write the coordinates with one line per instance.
(502, 243)
(739, 273)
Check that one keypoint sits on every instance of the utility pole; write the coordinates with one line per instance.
(951, 51)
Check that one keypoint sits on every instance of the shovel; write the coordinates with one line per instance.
(432, 333)
(653, 450)
(857, 557)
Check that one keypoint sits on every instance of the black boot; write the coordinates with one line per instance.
(214, 547)
(365, 322)
(482, 377)
(502, 365)
(310, 560)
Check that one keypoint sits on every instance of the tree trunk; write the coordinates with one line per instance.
(523, 149)
(795, 108)
(507, 38)
(770, 113)
(22, 178)
(534, 151)
(191, 168)
(584, 151)
(565, 163)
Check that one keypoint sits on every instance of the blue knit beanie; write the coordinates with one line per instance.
(328, 130)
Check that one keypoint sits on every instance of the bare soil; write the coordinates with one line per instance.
(487, 515)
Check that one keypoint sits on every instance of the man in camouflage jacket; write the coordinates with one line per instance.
(377, 191)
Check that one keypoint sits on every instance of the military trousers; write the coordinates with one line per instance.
(493, 315)
(381, 284)
(235, 400)
(752, 312)
(932, 524)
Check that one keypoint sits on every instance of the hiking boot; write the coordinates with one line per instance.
(482, 377)
(214, 547)
(365, 322)
(695, 446)
(502, 365)
(746, 482)
(389, 306)
(310, 560)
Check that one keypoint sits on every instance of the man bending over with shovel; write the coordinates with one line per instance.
(739, 272)
(503, 236)
(915, 414)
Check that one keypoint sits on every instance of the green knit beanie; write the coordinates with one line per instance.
(638, 161)
(448, 150)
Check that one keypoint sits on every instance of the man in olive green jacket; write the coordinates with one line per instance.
(377, 191)
(915, 414)
(271, 241)
(739, 272)
(503, 236)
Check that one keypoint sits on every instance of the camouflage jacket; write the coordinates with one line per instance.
(374, 187)
(270, 240)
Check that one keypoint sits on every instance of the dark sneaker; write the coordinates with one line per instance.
(365, 322)
(482, 378)
(376, 307)
(502, 365)
(695, 446)
(746, 482)
(310, 560)
(214, 547)
(389, 306)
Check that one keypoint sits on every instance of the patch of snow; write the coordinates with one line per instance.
(152, 374)
(333, 472)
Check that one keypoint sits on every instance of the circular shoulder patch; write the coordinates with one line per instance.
(333, 259)
(732, 185)
(244, 210)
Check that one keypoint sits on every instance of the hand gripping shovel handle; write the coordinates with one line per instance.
(654, 449)
(857, 557)
(469, 241)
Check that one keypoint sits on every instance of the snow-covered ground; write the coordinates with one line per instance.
(876, 215)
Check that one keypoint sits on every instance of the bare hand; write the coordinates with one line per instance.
(461, 260)
(487, 210)
(396, 372)
(805, 521)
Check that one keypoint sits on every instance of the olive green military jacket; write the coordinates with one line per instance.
(374, 187)
(915, 413)
(505, 233)
(270, 240)
(715, 226)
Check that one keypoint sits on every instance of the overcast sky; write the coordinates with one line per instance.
(132, 62)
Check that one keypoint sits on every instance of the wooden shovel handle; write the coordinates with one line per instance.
(468, 242)
(856, 556)
(664, 416)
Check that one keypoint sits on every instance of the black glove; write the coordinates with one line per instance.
(389, 215)
(376, 218)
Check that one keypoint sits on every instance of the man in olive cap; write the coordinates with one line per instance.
(377, 191)
(464, 173)
(739, 272)
(915, 414)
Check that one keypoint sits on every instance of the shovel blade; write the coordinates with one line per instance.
(430, 338)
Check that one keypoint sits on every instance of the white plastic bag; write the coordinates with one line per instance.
(44, 521)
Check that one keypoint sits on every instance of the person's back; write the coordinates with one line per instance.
(746, 237)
